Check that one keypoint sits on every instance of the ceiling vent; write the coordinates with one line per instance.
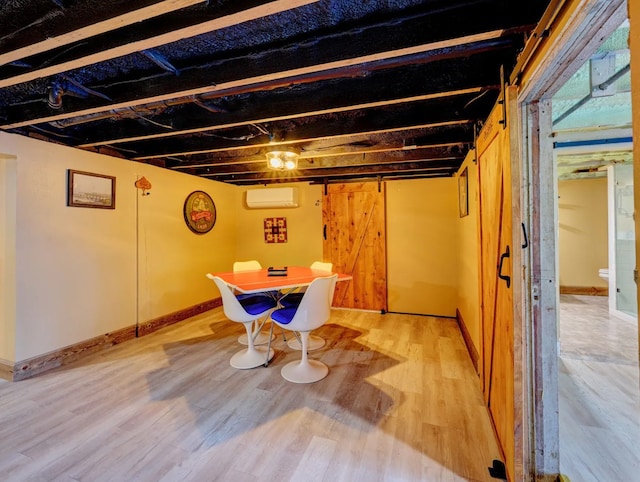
(282, 197)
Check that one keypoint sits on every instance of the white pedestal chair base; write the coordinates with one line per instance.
(261, 339)
(246, 359)
(315, 343)
(309, 372)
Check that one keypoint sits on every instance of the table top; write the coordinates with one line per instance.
(255, 281)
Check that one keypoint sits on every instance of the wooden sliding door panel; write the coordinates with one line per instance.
(494, 161)
(355, 242)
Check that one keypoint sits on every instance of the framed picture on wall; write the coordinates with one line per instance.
(463, 193)
(90, 190)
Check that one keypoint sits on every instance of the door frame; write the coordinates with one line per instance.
(573, 38)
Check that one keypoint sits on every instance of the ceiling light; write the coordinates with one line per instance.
(285, 160)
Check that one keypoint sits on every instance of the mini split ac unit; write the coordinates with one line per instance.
(281, 197)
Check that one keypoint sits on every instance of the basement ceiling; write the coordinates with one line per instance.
(592, 119)
(363, 89)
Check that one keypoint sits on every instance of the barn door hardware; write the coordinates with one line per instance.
(502, 101)
(476, 129)
(526, 239)
(326, 185)
(498, 470)
(506, 254)
(379, 182)
(324, 232)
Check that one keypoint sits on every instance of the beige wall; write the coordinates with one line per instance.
(76, 268)
(304, 229)
(468, 294)
(421, 233)
(582, 236)
(173, 260)
(8, 170)
(80, 272)
(422, 246)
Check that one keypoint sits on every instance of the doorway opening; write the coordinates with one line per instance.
(582, 47)
(598, 385)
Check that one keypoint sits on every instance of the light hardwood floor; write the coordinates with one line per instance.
(401, 403)
(599, 392)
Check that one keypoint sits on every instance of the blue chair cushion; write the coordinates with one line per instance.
(254, 305)
(291, 300)
(284, 315)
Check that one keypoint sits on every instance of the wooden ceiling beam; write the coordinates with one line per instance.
(103, 21)
(201, 81)
(457, 111)
(435, 157)
(464, 124)
(285, 116)
(313, 155)
(380, 170)
(78, 56)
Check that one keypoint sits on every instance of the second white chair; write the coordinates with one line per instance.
(294, 299)
(313, 311)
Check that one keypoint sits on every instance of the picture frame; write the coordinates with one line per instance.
(90, 190)
(463, 193)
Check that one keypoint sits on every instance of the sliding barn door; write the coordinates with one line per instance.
(494, 174)
(355, 242)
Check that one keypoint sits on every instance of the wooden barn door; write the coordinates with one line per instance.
(355, 242)
(494, 174)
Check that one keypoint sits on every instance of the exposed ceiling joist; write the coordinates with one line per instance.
(362, 89)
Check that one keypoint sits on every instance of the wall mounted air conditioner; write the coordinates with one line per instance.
(280, 197)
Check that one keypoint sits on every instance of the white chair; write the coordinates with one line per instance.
(293, 299)
(246, 311)
(313, 311)
(259, 337)
(246, 265)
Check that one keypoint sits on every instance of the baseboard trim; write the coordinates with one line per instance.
(157, 323)
(6, 370)
(40, 364)
(43, 363)
(466, 336)
(584, 290)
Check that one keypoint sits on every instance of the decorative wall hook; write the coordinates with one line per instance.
(143, 184)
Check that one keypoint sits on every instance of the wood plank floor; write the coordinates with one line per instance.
(401, 403)
(599, 392)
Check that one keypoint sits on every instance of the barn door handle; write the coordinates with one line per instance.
(504, 255)
(324, 232)
(526, 239)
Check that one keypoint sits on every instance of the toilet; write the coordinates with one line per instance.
(604, 274)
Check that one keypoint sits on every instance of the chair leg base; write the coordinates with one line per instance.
(261, 339)
(246, 359)
(310, 372)
(315, 343)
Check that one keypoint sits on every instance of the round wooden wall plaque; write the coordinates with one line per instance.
(199, 212)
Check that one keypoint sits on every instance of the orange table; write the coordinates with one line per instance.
(259, 280)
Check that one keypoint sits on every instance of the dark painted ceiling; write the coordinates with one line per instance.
(362, 88)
